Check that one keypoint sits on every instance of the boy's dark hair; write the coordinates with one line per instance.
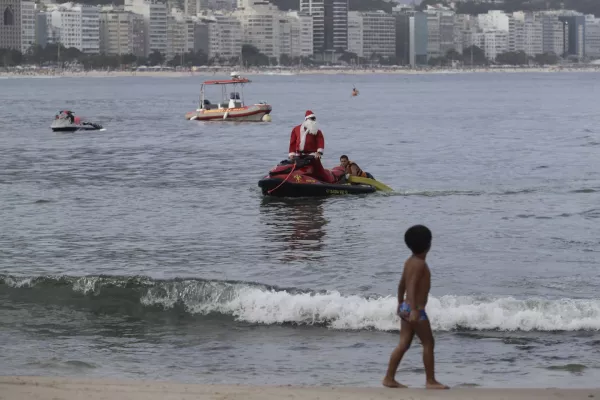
(418, 239)
(344, 156)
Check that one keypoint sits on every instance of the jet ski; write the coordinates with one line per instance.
(293, 178)
(65, 121)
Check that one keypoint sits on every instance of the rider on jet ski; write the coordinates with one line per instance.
(66, 114)
(69, 115)
(352, 168)
(308, 138)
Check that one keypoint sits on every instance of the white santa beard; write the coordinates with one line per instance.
(311, 126)
(308, 127)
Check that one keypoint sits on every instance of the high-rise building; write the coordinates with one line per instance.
(246, 4)
(515, 34)
(27, 25)
(121, 32)
(191, 8)
(154, 13)
(355, 34)
(553, 35)
(66, 21)
(219, 35)
(528, 34)
(274, 32)
(330, 24)
(493, 42)
(90, 29)
(10, 24)
(465, 28)
(262, 27)
(440, 25)
(180, 34)
(418, 39)
(42, 25)
(592, 37)
(411, 36)
(339, 18)
(574, 31)
(378, 30)
(494, 20)
(301, 32)
(201, 36)
(75, 25)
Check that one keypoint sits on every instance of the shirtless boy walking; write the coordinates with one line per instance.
(416, 283)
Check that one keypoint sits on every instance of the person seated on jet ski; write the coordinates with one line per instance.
(308, 138)
(352, 168)
(68, 114)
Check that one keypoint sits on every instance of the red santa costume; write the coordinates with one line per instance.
(308, 138)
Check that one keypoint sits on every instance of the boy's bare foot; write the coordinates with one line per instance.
(435, 385)
(391, 383)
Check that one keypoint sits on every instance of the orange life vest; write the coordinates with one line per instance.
(358, 173)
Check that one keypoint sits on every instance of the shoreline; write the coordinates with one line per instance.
(50, 388)
(227, 71)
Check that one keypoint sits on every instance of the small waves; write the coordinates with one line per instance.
(262, 304)
(439, 193)
(450, 192)
(501, 192)
(56, 363)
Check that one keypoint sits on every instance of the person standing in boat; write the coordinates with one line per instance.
(308, 138)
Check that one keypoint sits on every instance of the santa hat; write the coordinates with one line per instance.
(309, 114)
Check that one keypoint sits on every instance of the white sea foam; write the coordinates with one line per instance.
(257, 305)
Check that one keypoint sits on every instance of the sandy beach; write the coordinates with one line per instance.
(332, 71)
(41, 388)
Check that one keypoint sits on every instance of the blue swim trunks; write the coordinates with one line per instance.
(404, 312)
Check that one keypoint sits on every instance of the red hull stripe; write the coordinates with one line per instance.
(201, 117)
(226, 81)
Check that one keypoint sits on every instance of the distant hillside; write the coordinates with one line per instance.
(100, 2)
(117, 2)
(468, 7)
(355, 5)
(471, 7)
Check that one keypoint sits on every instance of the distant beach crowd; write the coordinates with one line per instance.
(170, 72)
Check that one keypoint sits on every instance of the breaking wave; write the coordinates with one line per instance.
(262, 304)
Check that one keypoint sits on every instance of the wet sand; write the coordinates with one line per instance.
(48, 388)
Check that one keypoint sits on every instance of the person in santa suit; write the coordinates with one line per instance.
(308, 138)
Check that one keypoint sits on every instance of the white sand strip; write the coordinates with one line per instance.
(225, 72)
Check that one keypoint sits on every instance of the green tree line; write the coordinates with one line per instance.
(475, 56)
(52, 54)
(58, 55)
(251, 57)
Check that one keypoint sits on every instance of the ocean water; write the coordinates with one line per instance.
(148, 252)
